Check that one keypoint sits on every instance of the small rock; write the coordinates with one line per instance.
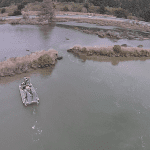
(124, 45)
(69, 50)
(140, 46)
(140, 38)
(102, 35)
(109, 33)
(59, 58)
(130, 37)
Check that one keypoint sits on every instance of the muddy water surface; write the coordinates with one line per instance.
(83, 105)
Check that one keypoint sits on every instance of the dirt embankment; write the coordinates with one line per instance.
(27, 63)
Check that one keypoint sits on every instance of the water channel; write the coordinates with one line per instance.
(84, 105)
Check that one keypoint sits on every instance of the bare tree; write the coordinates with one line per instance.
(47, 13)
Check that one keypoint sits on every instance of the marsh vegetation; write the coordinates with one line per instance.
(111, 51)
(26, 63)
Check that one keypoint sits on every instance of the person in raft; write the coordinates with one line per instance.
(25, 83)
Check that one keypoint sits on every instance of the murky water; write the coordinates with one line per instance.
(83, 105)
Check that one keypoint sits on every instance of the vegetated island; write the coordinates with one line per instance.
(18, 65)
(111, 53)
(135, 25)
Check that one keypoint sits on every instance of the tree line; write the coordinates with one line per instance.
(138, 8)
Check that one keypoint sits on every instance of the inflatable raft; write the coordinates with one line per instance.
(28, 93)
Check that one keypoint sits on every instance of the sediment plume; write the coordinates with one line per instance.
(111, 51)
(26, 63)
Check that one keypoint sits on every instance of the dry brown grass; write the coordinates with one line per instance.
(32, 7)
(22, 64)
(108, 51)
(11, 8)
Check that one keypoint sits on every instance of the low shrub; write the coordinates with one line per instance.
(65, 8)
(121, 13)
(3, 10)
(92, 9)
(117, 49)
(110, 54)
(34, 64)
(103, 52)
(136, 54)
(54, 6)
(146, 15)
(14, 22)
(44, 60)
(124, 53)
(20, 6)
(16, 13)
(83, 49)
(25, 16)
(10, 14)
(144, 53)
(25, 2)
(101, 9)
(77, 7)
(87, 5)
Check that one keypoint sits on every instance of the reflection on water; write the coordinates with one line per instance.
(114, 60)
(46, 30)
(44, 72)
(83, 104)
